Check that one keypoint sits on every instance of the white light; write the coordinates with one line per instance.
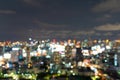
(71, 71)
(1, 58)
(71, 66)
(73, 74)
(59, 71)
(30, 39)
(47, 56)
(63, 62)
(24, 54)
(108, 47)
(30, 76)
(15, 49)
(94, 52)
(7, 55)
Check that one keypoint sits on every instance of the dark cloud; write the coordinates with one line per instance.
(32, 2)
(108, 5)
(108, 27)
(50, 26)
(21, 19)
(104, 18)
(7, 12)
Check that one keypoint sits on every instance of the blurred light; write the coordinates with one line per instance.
(30, 76)
(95, 41)
(73, 74)
(48, 56)
(7, 55)
(71, 71)
(30, 39)
(1, 58)
(63, 62)
(71, 66)
(15, 49)
(107, 41)
(108, 47)
(24, 54)
(59, 71)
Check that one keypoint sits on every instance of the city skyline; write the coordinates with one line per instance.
(61, 19)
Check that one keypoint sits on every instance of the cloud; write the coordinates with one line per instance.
(44, 25)
(105, 17)
(98, 34)
(83, 32)
(32, 2)
(108, 34)
(108, 27)
(7, 12)
(103, 33)
(107, 5)
(37, 3)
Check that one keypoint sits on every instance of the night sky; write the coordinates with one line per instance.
(60, 19)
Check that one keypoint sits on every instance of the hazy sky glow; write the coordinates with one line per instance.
(61, 19)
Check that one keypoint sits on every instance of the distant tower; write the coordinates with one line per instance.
(20, 55)
(68, 50)
(28, 58)
(56, 58)
(115, 60)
